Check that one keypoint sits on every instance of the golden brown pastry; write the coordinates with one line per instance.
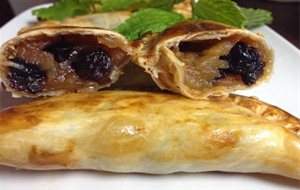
(126, 131)
(201, 58)
(59, 59)
(184, 8)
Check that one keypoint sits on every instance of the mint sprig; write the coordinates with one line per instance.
(63, 9)
(70, 8)
(256, 17)
(116, 5)
(227, 12)
(224, 11)
(148, 21)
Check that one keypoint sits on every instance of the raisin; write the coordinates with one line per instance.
(61, 51)
(28, 79)
(194, 46)
(94, 65)
(245, 61)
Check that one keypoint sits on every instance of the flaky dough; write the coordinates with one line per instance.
(159, 56)
(126, 131)
(105, 37)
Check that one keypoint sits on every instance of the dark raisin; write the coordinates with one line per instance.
(94, 66)
(61, 51)
(245, 61)
(27, 78)
(194, 46)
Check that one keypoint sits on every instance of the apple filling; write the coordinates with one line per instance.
(71, 62)
(227, 61)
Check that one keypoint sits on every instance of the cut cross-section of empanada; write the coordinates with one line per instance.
(59, 59)
(202, 58)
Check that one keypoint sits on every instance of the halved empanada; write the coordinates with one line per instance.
(202, 58)
(59, 59)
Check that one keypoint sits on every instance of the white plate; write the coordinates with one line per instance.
(283, 90)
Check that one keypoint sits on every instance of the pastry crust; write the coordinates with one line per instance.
(126, 131)
(112, 41)
(171, 69)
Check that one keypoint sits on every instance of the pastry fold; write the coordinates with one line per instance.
(126, 131)
(202, 58)
(53, 60)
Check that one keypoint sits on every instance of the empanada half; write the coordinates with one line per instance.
(54, 60)
(199, 59)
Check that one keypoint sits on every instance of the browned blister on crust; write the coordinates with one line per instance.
(54, 60)
(199, 59)
(127, 131)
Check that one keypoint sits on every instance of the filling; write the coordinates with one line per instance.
(28, 77)
(228, 61)
(243, 60)
(68, 63)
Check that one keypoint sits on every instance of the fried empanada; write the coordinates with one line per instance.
(54, 60)
(199, 59)
(127, 131)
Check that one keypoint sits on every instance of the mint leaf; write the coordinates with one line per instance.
(146, 21)
(91, 1)
(62, 9)
(115, 5)
(256, 17)
(224, 11)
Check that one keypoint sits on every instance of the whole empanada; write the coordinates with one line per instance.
(127, 131)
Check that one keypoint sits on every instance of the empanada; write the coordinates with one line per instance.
(126, 131)
(202, 58)
(58, 59)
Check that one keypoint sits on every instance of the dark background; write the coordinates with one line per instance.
(286, 16)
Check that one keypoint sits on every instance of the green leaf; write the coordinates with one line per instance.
(146, 21)
(62, 9)
(224, 11)
(115, 5)
(257, 17)
(91, 1)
